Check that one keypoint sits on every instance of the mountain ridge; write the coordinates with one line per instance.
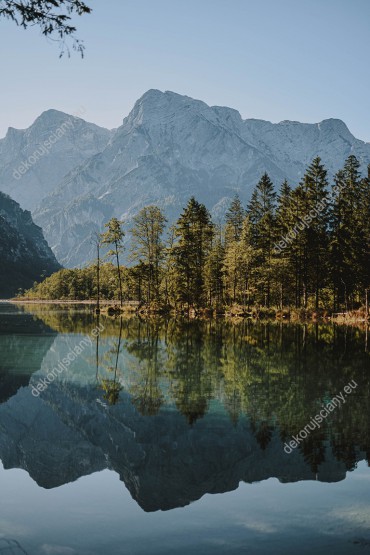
(74, 141)
(168, 148)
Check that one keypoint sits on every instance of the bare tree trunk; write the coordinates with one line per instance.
(119, 277)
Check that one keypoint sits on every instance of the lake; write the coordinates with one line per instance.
(171, 436)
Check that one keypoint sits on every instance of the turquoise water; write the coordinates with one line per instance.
(168, 437)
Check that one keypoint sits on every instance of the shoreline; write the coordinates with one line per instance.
(299, 316)
(58, 301)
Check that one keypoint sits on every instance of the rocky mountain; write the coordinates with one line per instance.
(171, 147)
(168, 148)
(33, 161)
(164, 462)
(24, 254)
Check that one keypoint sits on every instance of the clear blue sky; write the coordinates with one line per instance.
(302, 60)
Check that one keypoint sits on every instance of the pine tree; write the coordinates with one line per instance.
(234, 220)
(284, 257)
(314, 187)
(364, 224)
(232, 259)
(169, 268)
(261, 211)
(193, 233)
(213, 272)
(231, 270)
(247, 260)
(347, 223)
(239, 266)
(283, 210)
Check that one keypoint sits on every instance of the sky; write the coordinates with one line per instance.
(302, 60)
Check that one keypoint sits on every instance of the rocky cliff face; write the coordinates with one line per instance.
(171, 147)
(24, 254)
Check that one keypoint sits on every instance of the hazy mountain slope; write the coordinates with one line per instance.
(293, 145)
(171, 147)
(168, 148)
(24, 253)
(53, 145)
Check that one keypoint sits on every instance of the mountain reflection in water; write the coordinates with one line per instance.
(182, 408)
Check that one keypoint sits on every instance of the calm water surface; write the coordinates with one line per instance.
(167, 437)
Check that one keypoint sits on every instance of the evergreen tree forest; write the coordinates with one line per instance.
(303, 247)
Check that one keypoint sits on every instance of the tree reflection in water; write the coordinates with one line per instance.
(277, 375)
(111, 386)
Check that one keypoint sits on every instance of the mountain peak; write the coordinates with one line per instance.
(155, 105)
(149, 96)
(53, 117)
(334, 124)
(52, 112)
(168, 148)
(33, 161)
(160, 99)
(156, 94)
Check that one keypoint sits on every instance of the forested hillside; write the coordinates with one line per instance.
(307, 246)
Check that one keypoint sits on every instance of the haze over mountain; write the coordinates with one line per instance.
(168, 148)
(69, 141)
